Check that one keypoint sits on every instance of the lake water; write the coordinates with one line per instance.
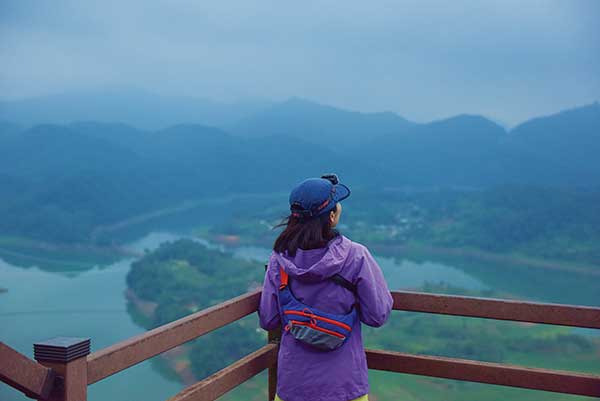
(40, 305)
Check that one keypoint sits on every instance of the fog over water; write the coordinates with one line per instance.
(508, 60)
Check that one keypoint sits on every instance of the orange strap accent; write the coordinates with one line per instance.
(284, 278)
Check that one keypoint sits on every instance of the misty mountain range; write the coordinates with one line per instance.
(105, 171)
(130, 106)
(463, 150)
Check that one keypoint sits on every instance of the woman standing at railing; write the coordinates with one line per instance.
(319, 286)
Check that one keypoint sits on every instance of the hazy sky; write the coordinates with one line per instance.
(506, 59)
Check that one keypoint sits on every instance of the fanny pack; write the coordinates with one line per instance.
(322, 330)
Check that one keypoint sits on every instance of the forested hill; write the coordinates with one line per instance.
(183, 277)
(61, 181)
(465, 150)
(562, 145)
(461, 151)
(336, 128)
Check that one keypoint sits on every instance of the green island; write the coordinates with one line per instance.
(184, 276)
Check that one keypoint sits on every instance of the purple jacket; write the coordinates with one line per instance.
(304, 373)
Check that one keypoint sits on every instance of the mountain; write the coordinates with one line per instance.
(141, 109)
(215, 161)
(61, 181)
(465, 150)
(7, 128)
(120, 134)
(472, 151)
(566, 144)
(316, 123)
(193, 141)
(52, 150)
(459, 151)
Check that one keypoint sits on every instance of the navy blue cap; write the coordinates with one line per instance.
(315, 196)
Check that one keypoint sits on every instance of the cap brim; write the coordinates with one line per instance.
(341, 192)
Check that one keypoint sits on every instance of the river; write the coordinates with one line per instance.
(39, 305)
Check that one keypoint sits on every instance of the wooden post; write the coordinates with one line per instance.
(66, 356)
(274, 338)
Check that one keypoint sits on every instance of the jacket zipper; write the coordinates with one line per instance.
(314, 326)
(335, 323)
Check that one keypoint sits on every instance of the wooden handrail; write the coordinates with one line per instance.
(232, 376)
(115, 358)
(27, 376)
(501, 309)
(485, 372)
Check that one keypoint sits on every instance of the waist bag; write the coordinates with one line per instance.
(322, 330)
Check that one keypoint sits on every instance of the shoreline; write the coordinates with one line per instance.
(25, 248)
(484, 256)
(176, 359)
(47, 255)
(424, 250)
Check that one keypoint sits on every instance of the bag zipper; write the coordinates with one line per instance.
(314, 326)
(312, 316)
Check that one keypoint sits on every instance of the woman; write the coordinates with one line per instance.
(311, 252)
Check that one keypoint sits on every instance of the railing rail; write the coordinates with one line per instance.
(501, 309)
(232, 376)
(117, 357)
(26, 375)
(485, 372)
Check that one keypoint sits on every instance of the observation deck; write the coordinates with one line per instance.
(64, 367)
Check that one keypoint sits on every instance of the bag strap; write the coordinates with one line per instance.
(284, 278)
(336, 278)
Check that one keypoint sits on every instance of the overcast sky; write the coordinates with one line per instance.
(509, 60)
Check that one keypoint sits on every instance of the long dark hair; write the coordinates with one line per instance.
(303, 233)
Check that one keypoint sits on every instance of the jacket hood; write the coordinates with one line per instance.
(316, 264)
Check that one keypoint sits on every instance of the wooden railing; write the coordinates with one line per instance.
(64, 369)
